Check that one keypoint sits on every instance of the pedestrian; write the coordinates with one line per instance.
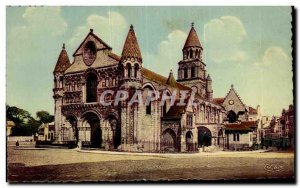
(17, 143)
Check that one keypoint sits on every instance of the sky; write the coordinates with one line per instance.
(249, 47)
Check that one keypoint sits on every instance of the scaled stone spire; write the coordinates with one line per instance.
(171, 80)
(63, 61)
(131, 47)
(192, 39)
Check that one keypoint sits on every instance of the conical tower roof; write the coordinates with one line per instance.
(171, 80)
(192, 39)
(208, 77)
(63, 61)
(131, 47)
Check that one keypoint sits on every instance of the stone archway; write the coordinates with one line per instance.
(189, 141)
(220, 138)
(93, 120)
(204, 136)
(168, 142)
(116, 129)
(232, 117)
(73, 121)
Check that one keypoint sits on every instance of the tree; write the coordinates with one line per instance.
(44, 117)
(17, 115)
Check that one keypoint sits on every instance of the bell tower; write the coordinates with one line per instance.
(191, 69)
(131, 81)
(131, 62)
(61, 66)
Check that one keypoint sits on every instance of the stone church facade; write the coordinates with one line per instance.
(82, 119)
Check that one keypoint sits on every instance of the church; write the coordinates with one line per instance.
(159, 126)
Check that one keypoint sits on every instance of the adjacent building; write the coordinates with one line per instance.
(242, 122)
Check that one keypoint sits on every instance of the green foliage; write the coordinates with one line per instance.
(25, 124)
(44, 117)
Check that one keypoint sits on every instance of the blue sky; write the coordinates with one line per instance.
(249, 47)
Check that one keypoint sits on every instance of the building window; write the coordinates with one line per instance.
(185, 72)
(193, 72)
(136, 68)
(165, 108)
(189, 120)
(91, 88)
(238, 137)
(148, 108)
(128, 70)
(191, 53)
(234, 138)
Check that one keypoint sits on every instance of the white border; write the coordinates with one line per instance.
(5, 3)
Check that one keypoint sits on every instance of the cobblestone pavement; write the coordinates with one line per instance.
(65, 165)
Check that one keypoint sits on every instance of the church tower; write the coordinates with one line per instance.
(191, 69)
(131, 81)
(131, 62)
(61, 66)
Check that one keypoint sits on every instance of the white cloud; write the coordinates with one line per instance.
(223, 38)
(40, 23)
(46, 19)
(273, 55)
(111, 28)
(169, 53)
(274, 68)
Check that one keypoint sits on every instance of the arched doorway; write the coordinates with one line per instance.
(93, 121)
(116, 129)
(204, 136)
(189, 141)
(220, 138)
(73, 121)
(232, 117)
(168, 142)
(91, 88)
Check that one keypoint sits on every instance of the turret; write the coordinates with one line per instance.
(209, 91)
(61, 66)
(131, 61)
(192, 48)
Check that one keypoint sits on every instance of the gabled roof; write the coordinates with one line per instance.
(131, 47)
(233, 90)
(91, 33)
(192, 39)
(150, 75)
(63, 62)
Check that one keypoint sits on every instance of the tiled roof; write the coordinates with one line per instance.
(252, 110)
(150, 75)
(131, 47)
(63, 61)
(243, 126)
(250, 124)
(171, 80)
(218, 100)
(237, 127)
(114, 56)
(10, 123)
(192, 39)
(176, 110)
